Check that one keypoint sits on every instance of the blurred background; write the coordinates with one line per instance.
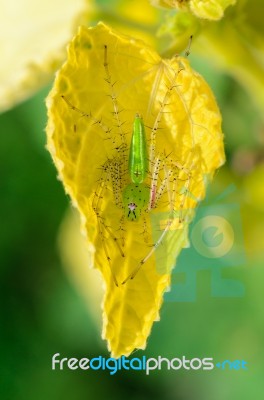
(44, 307)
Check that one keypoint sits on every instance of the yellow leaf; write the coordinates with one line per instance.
(107, 79)
(207, 9)
(210, 9)
(34, 34)
(170, 3)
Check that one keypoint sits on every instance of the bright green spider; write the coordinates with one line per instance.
(152, 176)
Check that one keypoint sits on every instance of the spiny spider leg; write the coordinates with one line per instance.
(171, 195)
(163, 174)
(155, 194)
(155, 191)
(111, 172)
(160, 191)
(122, 230)
(116, 110)
(121, 159)
(104, 128)
(145, 231)
(96, 204)
(171, 189)
(185, 187)
(101, 225)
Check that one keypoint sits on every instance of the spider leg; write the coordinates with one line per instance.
(122, 230)
(171, 188)
(118, 169)
(154, 183)
(156, 245)
(169, 182)
(156, 191)
(116, 110)
(145, 231)
(89, 116)
(108, 176)
(185, 187)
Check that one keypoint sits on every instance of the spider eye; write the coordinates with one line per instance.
(132, 207)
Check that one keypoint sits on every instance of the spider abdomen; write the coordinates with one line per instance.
(138, 159)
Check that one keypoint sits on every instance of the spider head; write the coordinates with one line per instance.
(135, 200)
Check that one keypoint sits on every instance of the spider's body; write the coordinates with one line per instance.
(137, 179)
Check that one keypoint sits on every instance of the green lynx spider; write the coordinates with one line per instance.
(136, 198)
